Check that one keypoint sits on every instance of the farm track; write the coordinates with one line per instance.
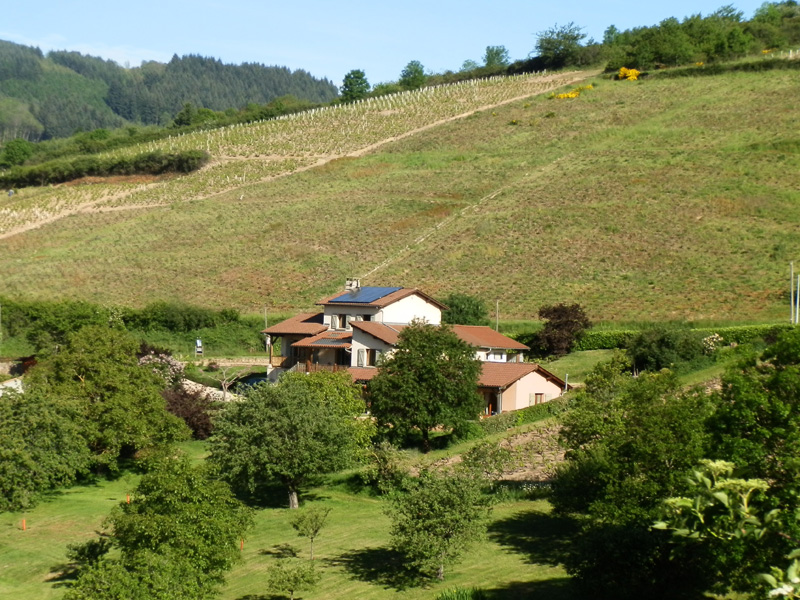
(114, 200)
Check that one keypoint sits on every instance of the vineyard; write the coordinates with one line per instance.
(246, 154)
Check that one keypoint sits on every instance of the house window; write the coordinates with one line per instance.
(372, 357)
(367, 317)
(538, 398)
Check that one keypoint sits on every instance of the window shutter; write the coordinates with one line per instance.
(362, 354)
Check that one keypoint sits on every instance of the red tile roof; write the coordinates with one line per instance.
(486, 337)
(502, 375)
(380, 331)
(304, 324)
(362, 373)
(326, 339)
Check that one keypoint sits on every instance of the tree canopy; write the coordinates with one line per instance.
(559, 45)
(176, 538)
(42, 447)
(430, 381)
(355, 86)
(412, 77)
(463, 309)
(496, 56)
(302, 426)
(118, 402)
(434, 522)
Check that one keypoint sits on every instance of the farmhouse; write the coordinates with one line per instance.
(358, 325)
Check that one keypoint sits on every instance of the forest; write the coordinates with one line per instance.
(53, 95)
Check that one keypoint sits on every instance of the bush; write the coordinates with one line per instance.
(194, 407)
(661, 348)
(463, 594)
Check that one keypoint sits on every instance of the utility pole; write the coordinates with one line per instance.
(793, 320)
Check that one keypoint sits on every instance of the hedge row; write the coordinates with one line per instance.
(59, 171)
(621, 338)
(532, 414)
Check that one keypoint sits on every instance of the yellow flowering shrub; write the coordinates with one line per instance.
(629, 74)
(573, 93)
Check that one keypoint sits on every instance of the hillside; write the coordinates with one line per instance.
(57, 94)
(664, 198)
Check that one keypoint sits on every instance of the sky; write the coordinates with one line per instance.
(327, 38)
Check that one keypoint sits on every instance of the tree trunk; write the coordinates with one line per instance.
(312, 548)
(293, 501)
(440, 573)
(426, 442)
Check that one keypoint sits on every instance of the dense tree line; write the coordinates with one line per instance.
(643, 449)
(55, 95)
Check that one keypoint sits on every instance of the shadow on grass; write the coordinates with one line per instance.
(272, 495)
(549, 589)
(281, 551)
(63, 575)
(383, 566)
(541, 537)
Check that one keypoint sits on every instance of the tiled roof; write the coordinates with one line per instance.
(326, 339)
(486, 337)
(501, 375)
(362, 373)
(304, 324)
(380, 331)
(383, 300)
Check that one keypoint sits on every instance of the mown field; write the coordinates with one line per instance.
(658, 199)
(519, 558)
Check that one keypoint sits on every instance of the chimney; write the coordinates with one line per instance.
(352, 284)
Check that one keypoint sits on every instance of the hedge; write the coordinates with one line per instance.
(621, 338)
(59, 171)
(532, 414)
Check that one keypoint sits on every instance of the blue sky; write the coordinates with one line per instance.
(326, 38)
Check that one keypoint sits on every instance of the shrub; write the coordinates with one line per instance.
(662, 348)
(463, 594)
(194, 407)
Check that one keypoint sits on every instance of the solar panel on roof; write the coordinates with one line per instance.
(365, 295)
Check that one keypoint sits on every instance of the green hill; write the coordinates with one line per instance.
(55, 95)
(666, 198)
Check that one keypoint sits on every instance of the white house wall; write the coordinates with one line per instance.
(409, 308)
(351, 311)
(523, 393)
(364, 341)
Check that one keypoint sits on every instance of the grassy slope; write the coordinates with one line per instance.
(658, 199)
(520, 557)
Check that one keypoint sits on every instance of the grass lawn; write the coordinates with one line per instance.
(519, 558)
(577, 365)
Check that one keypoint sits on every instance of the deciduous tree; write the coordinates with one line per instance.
(496, 56)
(412, 77)
(463, 309)
(119, 402)
(563, 326)
(435, 521)
(559, 45)
(305, 425)
(430, 381)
